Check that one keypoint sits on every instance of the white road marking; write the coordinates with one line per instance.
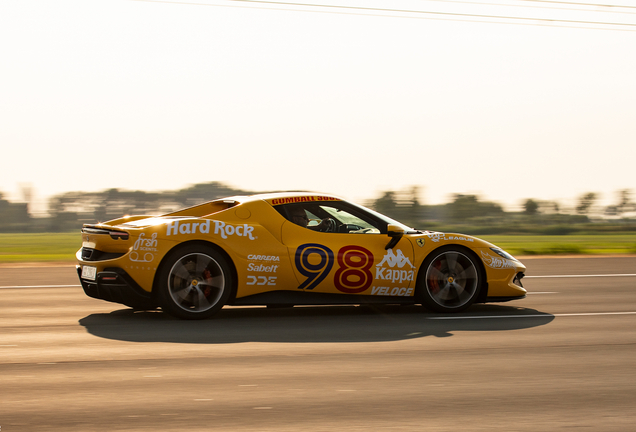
(543, 292)
(39, 286)
(532, 315)
(583, 276)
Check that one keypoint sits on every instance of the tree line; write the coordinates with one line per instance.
(463, 213)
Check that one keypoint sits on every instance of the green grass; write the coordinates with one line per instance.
(61, 247)
(39, 247)
(603, 244)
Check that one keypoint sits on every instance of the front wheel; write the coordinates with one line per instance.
(450, 281)
(194, 282)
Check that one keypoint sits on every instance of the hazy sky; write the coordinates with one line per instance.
(98, 94)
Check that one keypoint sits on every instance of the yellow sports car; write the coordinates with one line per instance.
(287, 249)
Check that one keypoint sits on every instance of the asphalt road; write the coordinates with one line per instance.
(564, 358)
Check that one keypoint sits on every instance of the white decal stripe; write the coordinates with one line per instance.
(40, 286)
(532, 316)
(582, 276)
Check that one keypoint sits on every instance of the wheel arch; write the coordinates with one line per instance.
(203, 243)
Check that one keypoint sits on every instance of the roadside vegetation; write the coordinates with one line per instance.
(539, 228)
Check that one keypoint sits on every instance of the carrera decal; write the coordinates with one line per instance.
(318, 271)
(272, 258)
(436, 237)
(353, 275)
(497, 263)
(292, 200)
(144, 246)
(220, 228)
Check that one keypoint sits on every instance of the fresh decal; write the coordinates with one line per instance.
(220, 228)
(496, 262)
(436, 237)
(144, 246)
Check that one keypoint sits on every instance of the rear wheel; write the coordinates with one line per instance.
(451, 280)
(194, 282)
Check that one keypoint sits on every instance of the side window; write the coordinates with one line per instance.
(330, 217)
(348, 222)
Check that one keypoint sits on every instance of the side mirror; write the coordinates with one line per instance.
(396, 233)
(394, 230)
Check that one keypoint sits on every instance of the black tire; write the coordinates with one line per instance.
(450, 280)
(194, 282)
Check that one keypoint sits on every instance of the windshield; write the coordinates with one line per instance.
(384, 218)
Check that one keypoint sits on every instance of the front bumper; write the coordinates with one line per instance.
(115, 285)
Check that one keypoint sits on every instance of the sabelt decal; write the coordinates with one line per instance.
(220, 228)
(497, 263)
(262, 268)
(312, 198)
(143, 249)
(436, 237)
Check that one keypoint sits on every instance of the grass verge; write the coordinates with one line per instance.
(61, 247)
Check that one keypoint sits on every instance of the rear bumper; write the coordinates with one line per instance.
(115, 285)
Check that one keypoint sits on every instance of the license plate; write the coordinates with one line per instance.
(89, 272)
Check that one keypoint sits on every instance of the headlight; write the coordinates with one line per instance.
(502, 253)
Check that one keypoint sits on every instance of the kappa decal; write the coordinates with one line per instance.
(393, 260)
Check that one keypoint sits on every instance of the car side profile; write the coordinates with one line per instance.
(287, 249)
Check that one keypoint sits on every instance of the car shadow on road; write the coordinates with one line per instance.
(309, 324)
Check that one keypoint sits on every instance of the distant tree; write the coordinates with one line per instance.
(531, 207)
(465, 207)
(623, 205)
(586, 201)
(386, 204)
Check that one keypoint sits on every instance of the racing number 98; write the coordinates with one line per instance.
(352, 276)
